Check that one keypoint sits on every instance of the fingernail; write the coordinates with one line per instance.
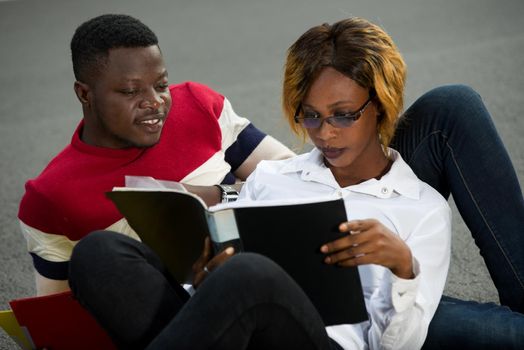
(324, 249)
(327, 260)
(230, 250)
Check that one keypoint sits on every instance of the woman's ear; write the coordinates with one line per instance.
(378, 108)
(82, 92)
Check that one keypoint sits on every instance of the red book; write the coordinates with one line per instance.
(58, 322)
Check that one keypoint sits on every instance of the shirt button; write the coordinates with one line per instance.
(384, 190)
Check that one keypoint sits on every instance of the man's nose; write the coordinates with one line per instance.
(152, 100)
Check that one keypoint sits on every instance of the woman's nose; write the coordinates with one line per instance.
(325, 131)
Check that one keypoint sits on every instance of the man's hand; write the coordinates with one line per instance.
(370, 242)
(211, 195)
(206, 263)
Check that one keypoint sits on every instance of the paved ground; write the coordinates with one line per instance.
(238, 47)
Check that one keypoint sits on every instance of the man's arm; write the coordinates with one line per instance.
(45, 286)
(211, 195)
(244, 144)
(50, 254)
(268, 149)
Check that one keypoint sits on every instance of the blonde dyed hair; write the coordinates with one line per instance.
(358, 49)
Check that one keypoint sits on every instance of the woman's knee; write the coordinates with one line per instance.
(451, 109)
(451, 95)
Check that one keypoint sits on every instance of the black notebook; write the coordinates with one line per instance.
(174, 224)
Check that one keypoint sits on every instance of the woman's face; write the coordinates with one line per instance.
(353, 153)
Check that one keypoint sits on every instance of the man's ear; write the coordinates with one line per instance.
(82, 92)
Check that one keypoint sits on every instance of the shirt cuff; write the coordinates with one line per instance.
(189, 288)
(404, 291)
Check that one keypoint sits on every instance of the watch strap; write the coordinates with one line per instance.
(228, 193)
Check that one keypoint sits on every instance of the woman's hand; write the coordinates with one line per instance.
(370, 242)
(206, 263)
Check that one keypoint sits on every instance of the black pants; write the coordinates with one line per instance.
(247, 303)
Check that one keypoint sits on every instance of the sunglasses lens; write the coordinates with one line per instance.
(337, 122)
(311, 123)
(341, 122)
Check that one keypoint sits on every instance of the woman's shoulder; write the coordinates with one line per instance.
(405, 178)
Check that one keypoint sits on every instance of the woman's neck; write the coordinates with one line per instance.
(367, 167)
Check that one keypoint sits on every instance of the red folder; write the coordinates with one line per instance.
(58, 322)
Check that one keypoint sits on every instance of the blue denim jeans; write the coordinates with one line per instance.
(449, 140)
(465, 325)
(249, 302)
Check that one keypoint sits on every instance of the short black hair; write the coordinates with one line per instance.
(94, 38)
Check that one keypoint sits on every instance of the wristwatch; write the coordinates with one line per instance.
(229, 193)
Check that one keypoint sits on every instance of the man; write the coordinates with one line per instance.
(134, 123)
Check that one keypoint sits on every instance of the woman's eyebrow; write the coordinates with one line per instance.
(332, 105)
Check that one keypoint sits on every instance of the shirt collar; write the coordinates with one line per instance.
(399, 180)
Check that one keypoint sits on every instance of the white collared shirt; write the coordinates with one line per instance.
(399, 310)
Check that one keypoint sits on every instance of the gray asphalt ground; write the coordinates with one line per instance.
(238, 48)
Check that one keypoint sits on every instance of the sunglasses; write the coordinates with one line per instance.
(343, 120)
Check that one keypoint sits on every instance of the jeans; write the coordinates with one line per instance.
(464, 325)
(449, 140)
(249, 302)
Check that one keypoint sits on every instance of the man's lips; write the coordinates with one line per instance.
(152, 123)
(331, 152)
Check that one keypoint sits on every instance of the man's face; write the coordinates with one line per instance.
(129, 99)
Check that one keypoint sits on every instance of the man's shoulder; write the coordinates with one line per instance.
(193, 93)
(64, 200)
(193, 88)
(59, 166)
(59, 181)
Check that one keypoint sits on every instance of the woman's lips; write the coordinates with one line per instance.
(331, 153)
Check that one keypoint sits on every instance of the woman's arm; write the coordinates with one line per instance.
(402, 306)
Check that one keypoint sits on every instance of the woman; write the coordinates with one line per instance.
(343, 88)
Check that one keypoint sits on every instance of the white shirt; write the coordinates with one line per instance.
(399, 310)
